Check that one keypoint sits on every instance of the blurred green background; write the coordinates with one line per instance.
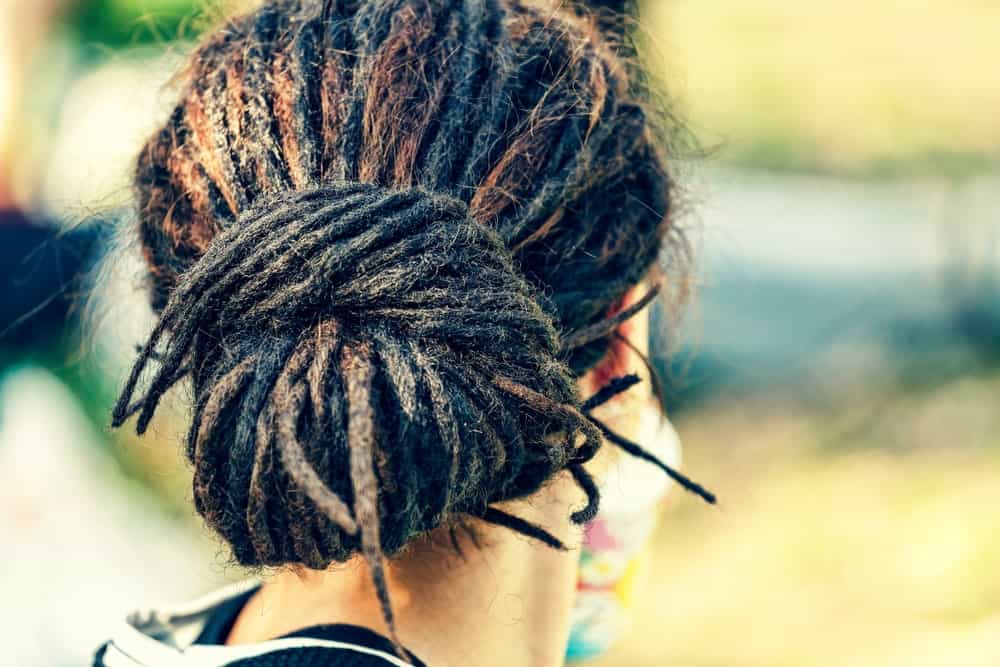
(836, 380)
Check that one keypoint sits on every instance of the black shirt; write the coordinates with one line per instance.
(220, 624)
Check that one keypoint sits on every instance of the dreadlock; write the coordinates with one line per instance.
(384, 238)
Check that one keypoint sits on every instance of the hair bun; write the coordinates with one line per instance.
(351, 327)
(367, 257)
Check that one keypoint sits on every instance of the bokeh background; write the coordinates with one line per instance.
(836, 379)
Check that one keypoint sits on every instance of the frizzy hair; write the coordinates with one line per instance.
(384, 239)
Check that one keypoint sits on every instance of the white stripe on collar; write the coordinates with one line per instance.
(137, 641)
(130, 649)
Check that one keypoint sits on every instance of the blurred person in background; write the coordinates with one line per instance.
(403, 251)
(39, 265)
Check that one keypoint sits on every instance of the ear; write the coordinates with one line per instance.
(624, 413)
(624, 356)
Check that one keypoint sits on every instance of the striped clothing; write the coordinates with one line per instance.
(193, 635)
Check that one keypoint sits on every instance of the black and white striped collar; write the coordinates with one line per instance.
(166, 638)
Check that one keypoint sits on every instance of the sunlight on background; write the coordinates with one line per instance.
(837, 382)
(851, 86)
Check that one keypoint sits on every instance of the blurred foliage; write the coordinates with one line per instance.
(851, 87)
(124, 23)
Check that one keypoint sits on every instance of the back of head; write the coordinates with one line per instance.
(384, 237)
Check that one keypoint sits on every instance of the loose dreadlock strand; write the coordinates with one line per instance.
(293, 456)
(586, 482)
(302, 542)
(384, 238)
(639, 452)
(614, 387)
(519, 525)
(572, 418)
(609, 325)
(357, 369)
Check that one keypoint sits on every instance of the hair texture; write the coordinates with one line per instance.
(384, 239)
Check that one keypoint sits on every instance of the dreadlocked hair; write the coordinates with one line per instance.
(384, 238)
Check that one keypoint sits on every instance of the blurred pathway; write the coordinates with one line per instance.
(803, 272)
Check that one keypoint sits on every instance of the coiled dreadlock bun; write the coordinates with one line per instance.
(326, 319)
(384, 238)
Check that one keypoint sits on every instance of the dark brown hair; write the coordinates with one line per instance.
(384, 238)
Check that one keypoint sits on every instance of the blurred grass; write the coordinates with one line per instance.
(833, 545)
(853, 87)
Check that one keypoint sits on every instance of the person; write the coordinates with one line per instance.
(41, 265)
(402, 251)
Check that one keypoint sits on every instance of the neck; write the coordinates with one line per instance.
(504, 600)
